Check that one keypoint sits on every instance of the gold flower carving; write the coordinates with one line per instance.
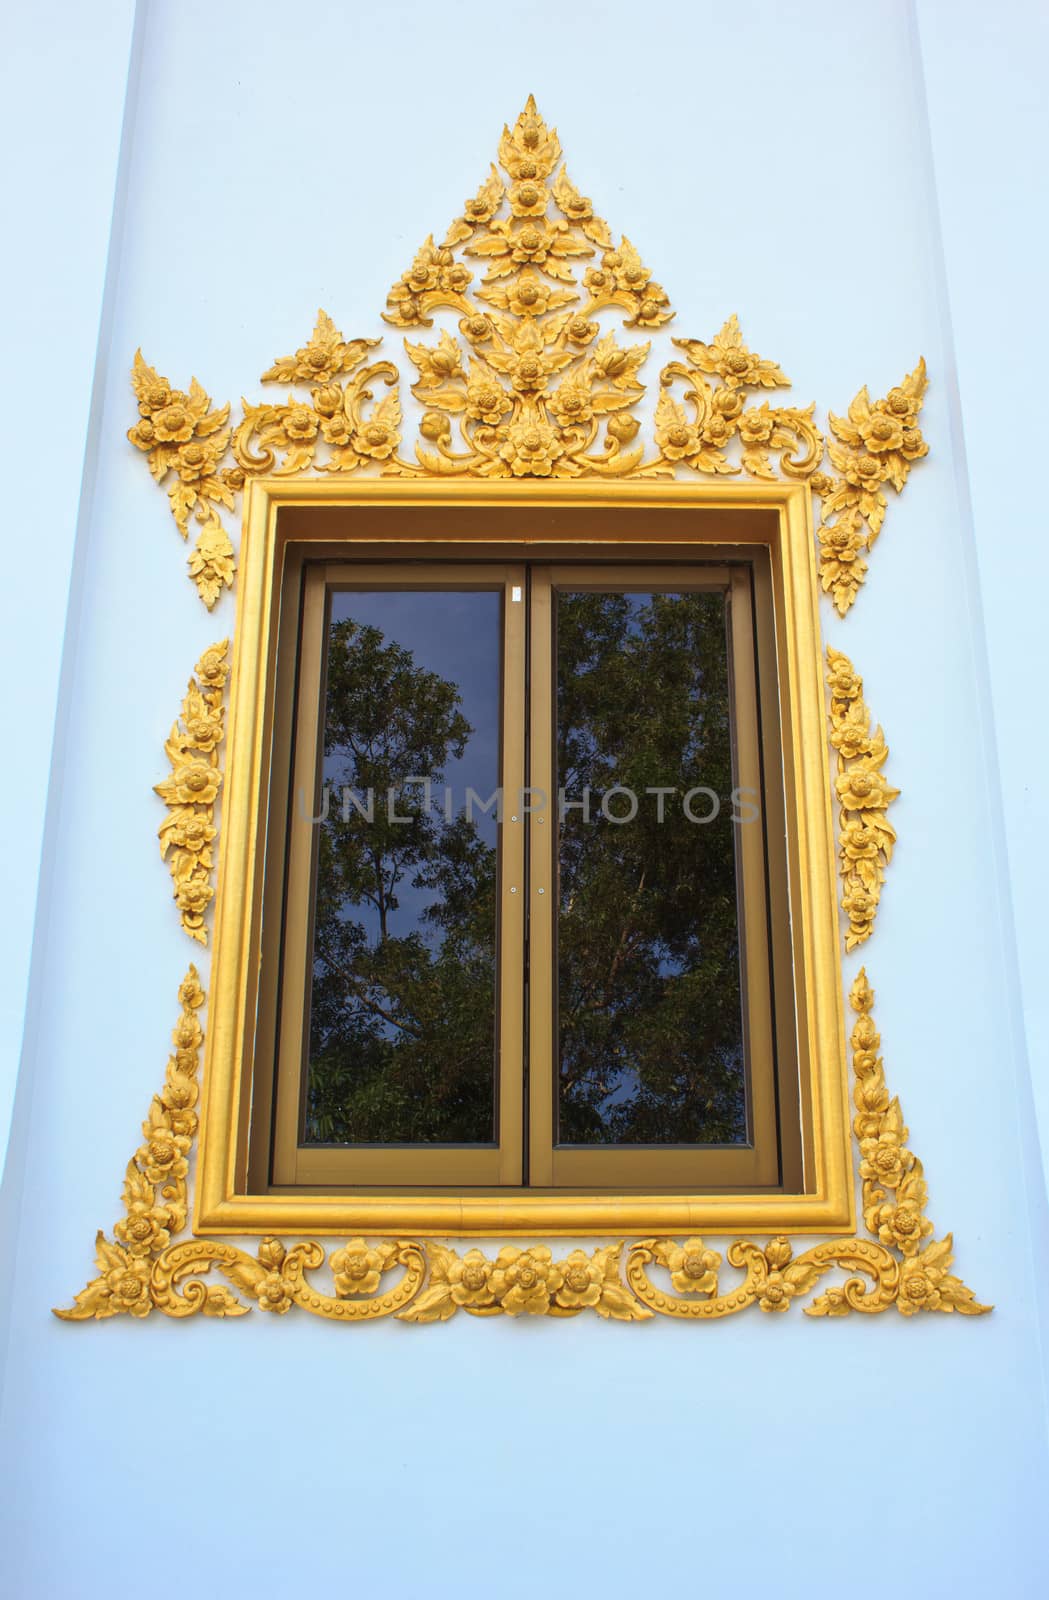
(866, 836)
(185, 442)
(140, 1269)
(877, 444)
(188, 832)
(531, 384)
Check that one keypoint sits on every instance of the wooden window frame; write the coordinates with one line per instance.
(543, 523)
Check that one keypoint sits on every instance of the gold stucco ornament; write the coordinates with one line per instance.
(878, 443)
(185, 442)
(530, 384)
(188, 832)
(866, 836)
(140, 1270)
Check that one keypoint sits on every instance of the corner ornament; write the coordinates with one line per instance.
(185, 441)
(900, 1265)
(530, 384)
(141, 1271)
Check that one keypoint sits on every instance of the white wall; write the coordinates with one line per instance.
(988, 158)
(62, 98)
(776, 161)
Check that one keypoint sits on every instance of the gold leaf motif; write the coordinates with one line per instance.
(729, 358)
(323, 358)
(436, 364)
(531, 150)
(866, 836)
(188, 831)
(211, 564)
(479, 209)
(579, 209)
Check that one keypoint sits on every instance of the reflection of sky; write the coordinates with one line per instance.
(457, 635)
(626, 1087)
(639, 609)
(640, 605)
(637, 605)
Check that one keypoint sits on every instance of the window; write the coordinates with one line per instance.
(515, 865)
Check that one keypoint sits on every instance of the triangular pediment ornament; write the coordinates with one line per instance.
(533, 383)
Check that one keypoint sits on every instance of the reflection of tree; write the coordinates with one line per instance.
(402, 1019)
(648, 960)
(401, 1023)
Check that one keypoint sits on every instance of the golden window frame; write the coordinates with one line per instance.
(382, 517)
(499, 435)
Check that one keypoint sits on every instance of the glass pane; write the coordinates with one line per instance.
(649, 992)
(402, 1016)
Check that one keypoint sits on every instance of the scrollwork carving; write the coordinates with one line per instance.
(140, 1270)
(284, 439)
(275, 1278)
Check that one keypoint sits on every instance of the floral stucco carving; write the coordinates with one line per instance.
(878, 443)
(188, 832)
(865, 834)
(530, 381)
(140, 1269)
(185, 442)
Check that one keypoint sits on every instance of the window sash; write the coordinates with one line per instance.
(624, 1167)
(497, 1164)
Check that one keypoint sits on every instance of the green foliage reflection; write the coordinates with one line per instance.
(401, 1022)
(649, 1015)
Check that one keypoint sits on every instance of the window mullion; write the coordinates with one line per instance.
(542, 885)
(513, 891)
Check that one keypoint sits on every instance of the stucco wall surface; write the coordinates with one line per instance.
(798, 164)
